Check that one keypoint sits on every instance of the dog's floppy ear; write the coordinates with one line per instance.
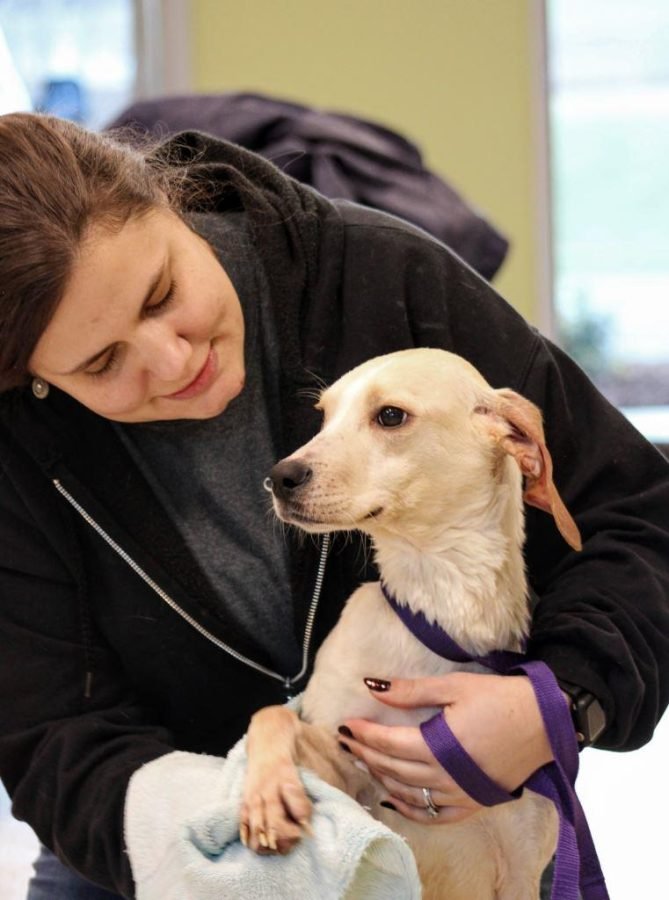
(515, 424)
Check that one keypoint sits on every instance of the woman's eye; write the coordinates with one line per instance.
(110, 363)
(162, 304)
(391, 417)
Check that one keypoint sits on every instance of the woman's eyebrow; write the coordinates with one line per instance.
(153, 287)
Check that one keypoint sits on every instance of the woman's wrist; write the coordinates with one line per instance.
(587, 713)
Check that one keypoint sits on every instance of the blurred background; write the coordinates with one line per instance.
(549, 117)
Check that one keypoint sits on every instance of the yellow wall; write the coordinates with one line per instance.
(455, 76)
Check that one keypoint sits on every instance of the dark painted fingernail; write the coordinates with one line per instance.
(345, 730)
(377, 684)
(386, 805)
(345, 747)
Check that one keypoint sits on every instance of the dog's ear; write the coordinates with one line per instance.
(514, 423)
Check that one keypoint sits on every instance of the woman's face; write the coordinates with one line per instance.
(149, 328)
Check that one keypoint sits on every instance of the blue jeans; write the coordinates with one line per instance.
(54, 881)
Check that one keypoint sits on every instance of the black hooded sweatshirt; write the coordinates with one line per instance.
(111, 638)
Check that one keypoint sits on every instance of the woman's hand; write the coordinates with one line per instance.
(496, 718)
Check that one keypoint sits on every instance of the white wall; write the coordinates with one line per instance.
(626, 800)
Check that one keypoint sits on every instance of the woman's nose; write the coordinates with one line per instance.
(164, 352)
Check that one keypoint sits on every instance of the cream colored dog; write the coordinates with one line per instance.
(419, 452)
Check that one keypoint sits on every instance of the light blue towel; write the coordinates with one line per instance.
(182, 836)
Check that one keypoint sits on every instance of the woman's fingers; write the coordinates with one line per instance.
(446, 814)
(400, 741)
(409, 693)
(400, 753)
(414, 796)
(496, 719)
(407, 771)
(413, 773)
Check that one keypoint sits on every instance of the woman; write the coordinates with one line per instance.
(165, 319)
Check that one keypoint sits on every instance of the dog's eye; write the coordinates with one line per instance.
(391, 417)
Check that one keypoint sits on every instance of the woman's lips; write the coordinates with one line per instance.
(201, 382)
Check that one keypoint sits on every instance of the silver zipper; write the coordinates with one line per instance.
(287, 681)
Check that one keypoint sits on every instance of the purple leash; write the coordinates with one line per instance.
(576, 862)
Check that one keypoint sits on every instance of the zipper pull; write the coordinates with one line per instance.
(288, 688)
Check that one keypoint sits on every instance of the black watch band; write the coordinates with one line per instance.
(587, 713)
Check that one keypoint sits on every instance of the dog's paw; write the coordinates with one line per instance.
(275, 809)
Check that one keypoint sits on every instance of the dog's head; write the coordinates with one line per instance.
(413, 441)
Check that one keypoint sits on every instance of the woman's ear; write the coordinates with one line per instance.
(514, 423)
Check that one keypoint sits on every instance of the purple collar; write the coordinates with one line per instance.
(440, 642)
(576, 863)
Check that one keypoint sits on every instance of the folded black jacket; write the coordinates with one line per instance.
(100, 671)
(344, 157)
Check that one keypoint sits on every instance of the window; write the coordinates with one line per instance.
(609, 119)
(70, 57)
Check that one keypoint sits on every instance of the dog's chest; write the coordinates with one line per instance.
(369, 641)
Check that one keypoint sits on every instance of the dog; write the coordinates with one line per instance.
(419, 452)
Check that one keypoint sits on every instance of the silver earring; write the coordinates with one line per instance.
(40, 388)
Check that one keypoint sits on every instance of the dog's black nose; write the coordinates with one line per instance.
(287, 476)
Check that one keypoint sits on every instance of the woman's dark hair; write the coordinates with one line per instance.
(56, 180)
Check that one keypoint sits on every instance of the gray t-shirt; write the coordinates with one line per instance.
(209, 473)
